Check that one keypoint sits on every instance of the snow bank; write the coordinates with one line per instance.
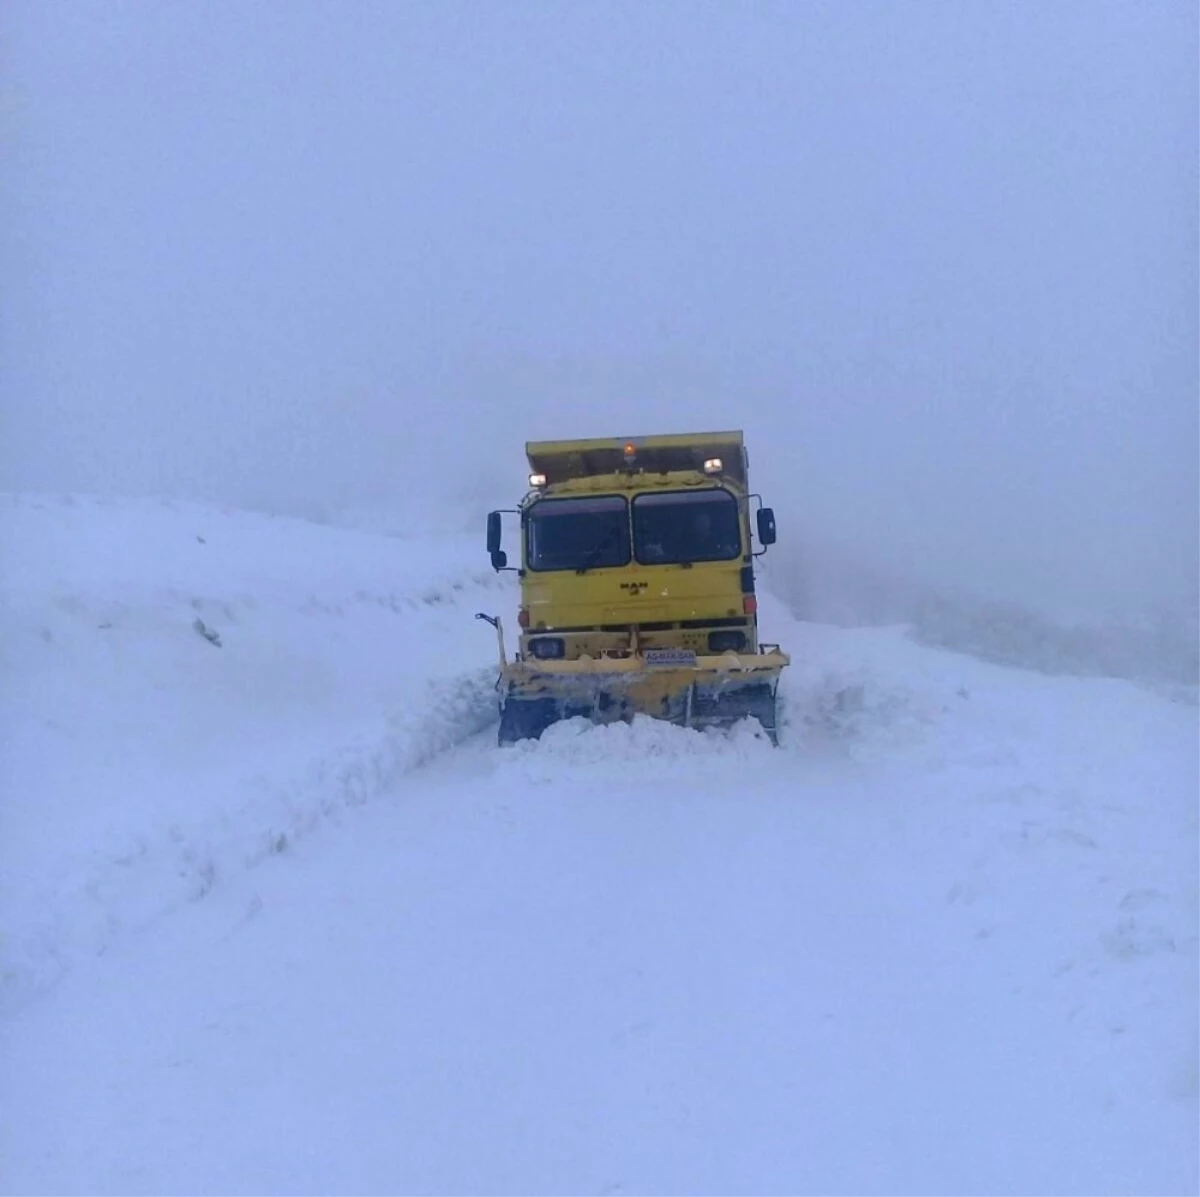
(1157, 647)
(188, 690)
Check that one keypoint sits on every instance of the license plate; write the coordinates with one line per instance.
(670, 656)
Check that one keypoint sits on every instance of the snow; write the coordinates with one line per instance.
(278, 916)
(141, 760)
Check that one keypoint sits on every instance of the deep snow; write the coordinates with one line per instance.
(943, 940)
(141, 760)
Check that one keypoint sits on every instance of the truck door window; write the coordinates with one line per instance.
(679, 526)
(585, 533)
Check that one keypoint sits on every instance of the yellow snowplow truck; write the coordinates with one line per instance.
(637, 586)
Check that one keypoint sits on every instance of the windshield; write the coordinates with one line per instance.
(697, 525)
(587, 533)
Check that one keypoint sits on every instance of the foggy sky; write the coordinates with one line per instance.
(938, 259)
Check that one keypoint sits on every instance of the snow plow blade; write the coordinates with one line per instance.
(707, 691)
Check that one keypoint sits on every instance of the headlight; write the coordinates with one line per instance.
(726, 642)
(547, 648)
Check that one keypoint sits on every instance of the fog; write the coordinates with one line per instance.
(939, 260)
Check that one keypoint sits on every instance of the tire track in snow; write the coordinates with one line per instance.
(170, 866)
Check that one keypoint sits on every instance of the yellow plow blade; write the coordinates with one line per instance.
(704, 691)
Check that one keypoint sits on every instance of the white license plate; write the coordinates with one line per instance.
(670, 656)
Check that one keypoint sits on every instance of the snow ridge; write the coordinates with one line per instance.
(188, 692)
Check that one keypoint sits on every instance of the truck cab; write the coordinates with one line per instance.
(637, 550)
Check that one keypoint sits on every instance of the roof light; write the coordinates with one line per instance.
(536, 480)
(713, 465)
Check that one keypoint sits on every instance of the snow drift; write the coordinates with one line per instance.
(189, 690)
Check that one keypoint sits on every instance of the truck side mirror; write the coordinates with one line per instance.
(498, 555)
(766, 526)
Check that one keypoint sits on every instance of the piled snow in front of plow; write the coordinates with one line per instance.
(189, 690)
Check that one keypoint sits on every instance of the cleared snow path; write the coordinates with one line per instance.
(944, 941)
